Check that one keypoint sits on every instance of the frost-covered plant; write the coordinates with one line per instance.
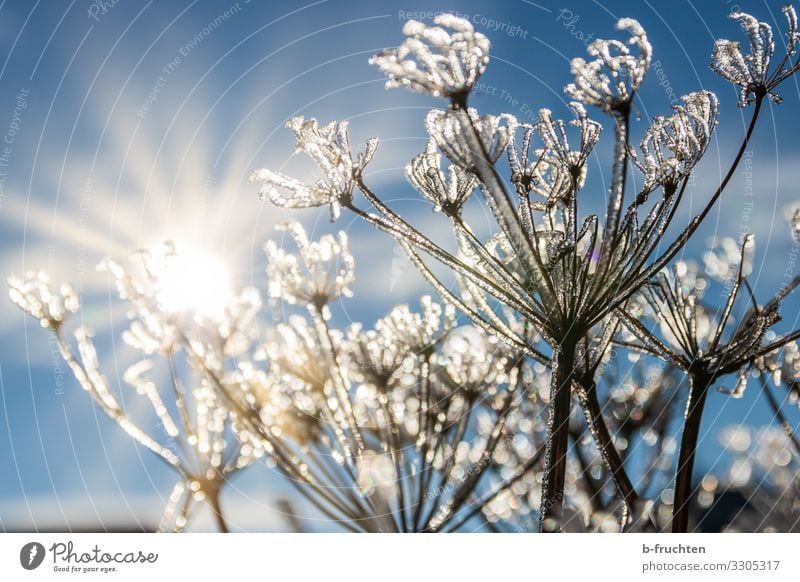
(705, 349)
(329, 147)
(395, 428)
(434, 60)
(192, 432)
(551, 283)
(611, 80)
(751, 72)
(414, 425)
(582, 333)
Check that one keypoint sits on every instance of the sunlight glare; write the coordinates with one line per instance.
(193, 282)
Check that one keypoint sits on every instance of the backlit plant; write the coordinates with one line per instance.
(552, 360)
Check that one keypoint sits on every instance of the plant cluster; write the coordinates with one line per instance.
(561, 346)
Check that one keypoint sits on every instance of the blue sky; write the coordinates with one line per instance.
(141, 121)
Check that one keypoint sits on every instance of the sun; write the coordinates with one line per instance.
(190, 281)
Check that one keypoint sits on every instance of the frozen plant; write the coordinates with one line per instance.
(552, 283)
(558, 381)
(402, 427)
(751, 72)
(187, 426)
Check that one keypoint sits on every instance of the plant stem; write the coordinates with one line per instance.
(501, 206)
(604, 441)
(700, 384)
(619, 173)
(555, 460)
(216, 509)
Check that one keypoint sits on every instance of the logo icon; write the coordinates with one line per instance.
(31, 555)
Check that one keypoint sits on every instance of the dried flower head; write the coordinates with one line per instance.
(674, 297)
(33, 294)
(294, 352)
(554, 136)
(695, 340)
(287, 409)
(791, 213)
(613, 77)
(672, 146)
(326, 273)
(417, 331)
(445, 130)
(796, 226)
(470, 359)
(374, 355)
(447, 193)
(436, 61)
(554, 170)
(329, 147)
(751, 72)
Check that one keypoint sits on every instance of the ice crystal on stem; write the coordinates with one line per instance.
(434, 60)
